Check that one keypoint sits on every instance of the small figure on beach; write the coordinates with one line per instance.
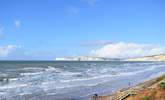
(129, 84)
(95, 96)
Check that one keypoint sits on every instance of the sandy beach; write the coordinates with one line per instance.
(149, 90)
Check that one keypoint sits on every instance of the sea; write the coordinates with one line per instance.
(71, 80)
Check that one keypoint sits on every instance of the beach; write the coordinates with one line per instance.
(149, 89)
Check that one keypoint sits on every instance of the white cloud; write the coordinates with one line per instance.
(128, 50)
(96, 43)
(6, 50)
(91, 2)
(17, 23)
(71, 10)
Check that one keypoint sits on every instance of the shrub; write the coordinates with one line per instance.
(160, 78)
(162, 85)
(147, 98)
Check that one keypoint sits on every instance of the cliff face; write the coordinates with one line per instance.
(86, 58)
(149, 58)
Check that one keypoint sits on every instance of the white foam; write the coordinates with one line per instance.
(70, 73)
(10, 86)
(50, 68)
(33, 68)
(143, 70)
(14, 79)
(27, 74)
(86, 79)
(97, 75)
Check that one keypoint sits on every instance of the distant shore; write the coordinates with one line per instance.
(140, 91)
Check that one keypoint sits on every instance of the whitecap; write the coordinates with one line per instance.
(10, 86)
(28, 74)
(50, 68)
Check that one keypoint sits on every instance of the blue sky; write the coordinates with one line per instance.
(45, 29)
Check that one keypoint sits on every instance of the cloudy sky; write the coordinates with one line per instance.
(45, 29)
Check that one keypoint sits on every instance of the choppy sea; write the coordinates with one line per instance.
(68, 80)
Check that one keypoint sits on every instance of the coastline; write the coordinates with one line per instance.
(125, 93)
(109, 84)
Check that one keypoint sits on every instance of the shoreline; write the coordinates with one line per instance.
(104, 80)
(124, 93)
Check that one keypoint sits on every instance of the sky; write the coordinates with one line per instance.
(46, 29)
